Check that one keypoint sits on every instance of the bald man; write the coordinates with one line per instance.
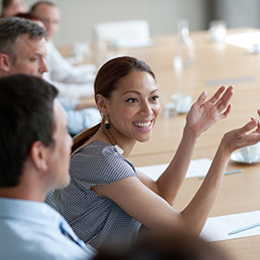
(72, 81)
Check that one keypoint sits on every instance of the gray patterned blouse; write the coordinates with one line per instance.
(97, 221)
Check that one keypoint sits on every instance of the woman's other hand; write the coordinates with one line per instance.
(247, 135)
(203, 114)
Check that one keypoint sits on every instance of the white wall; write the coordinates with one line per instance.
(79, 16)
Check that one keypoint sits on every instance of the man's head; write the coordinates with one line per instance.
(22, 47)
(12, 7)
(31, 17)
(49, 13)
(33, 133)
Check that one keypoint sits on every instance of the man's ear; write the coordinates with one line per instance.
(102, 104)
(39, 155)
(5, 62)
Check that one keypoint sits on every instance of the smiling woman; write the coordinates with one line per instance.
(108, 199)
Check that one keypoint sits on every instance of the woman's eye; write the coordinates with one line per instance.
(155, 98)
(131, 100)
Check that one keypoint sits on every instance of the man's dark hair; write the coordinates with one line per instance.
(34, 6)
(31, 16)
(11, 28)
(26, 112)
(6, 3)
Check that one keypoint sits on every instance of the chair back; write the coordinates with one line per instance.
(131, 33)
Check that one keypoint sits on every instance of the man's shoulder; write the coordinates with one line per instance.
(39, 253)
(30, 230)
(37, 244)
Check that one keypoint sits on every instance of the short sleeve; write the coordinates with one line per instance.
(99, 163)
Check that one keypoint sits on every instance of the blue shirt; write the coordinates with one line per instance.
(33, 230)
(79, 120)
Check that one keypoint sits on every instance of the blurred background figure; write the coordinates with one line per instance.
(12, 7)
(16, 42)
(32, 17)
(71, 81)
(171, 246)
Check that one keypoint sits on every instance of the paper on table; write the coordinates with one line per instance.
(217, 228)
(244, 39)
(196, 168)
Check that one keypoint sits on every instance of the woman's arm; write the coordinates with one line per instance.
(153, 211)
(205, 197)
(202, 116)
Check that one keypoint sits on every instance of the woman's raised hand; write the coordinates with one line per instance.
(203, 115)
(247, 135)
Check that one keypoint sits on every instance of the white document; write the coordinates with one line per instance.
(217, 228)
(244, 40)
(196, 168)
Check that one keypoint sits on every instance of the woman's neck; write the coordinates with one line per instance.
(115, 138)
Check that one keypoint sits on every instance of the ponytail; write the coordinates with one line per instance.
(83, 137)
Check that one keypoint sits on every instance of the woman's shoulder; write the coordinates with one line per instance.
(101, 163)
(96, 148)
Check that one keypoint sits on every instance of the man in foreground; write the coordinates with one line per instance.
(34, 158)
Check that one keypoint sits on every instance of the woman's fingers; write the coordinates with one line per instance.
(258, 111)
(226, 113)
(224, 100)
(257, 123)
(201, 98)
(216, 96)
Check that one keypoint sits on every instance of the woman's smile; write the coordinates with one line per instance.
(145, 125)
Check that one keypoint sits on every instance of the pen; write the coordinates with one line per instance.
(244, 228)
(226, 173)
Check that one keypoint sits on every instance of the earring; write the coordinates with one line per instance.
(107, 124)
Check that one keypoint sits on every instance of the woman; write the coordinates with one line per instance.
(108, 199)
(12, 7)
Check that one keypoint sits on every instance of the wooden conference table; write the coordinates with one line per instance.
(217, 63)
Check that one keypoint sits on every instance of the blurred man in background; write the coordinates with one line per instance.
(72, 81)
(23, 50)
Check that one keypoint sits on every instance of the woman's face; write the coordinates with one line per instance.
(134, 107)
(15, 7)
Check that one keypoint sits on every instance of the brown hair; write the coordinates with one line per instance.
(29, 16)
(21, 125)
(107, 81)
(6, 3)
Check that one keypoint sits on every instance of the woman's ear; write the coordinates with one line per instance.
(102, 104)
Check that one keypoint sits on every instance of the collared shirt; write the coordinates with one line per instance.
(79, 120)
(33, 230)
(71, 81)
